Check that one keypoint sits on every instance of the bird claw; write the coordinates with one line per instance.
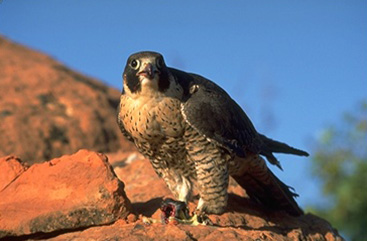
(149, 221)
(203, 219)
(176, 212)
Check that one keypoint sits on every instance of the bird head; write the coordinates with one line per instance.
(145, 72)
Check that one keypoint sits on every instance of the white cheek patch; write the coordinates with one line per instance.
(148, 85)
(146, 82)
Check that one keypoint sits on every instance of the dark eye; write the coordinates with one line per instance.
(159, 62)
(135, 64)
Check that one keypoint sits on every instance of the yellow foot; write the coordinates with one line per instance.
(196, 220)
(148, 221)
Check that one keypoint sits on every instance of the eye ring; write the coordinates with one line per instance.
(135, 63)
(159, 62)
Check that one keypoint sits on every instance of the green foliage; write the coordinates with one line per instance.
(340, 161)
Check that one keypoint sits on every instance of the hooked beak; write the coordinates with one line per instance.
(148, 71)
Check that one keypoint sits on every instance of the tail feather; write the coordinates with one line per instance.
(270, 146)
(263, 186)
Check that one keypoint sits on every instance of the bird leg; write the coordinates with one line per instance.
(179, 185)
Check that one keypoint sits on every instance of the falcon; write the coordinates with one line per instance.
(196, 136)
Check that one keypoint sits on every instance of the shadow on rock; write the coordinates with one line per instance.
(148, 208)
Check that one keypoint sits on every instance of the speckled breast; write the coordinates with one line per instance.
(157, 126)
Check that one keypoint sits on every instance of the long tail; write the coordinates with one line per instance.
(263, 186)
(270, 146)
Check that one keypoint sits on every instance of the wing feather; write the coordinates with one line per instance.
(213, 113)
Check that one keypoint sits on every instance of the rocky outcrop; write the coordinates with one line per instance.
(244, 219)
(67, 193)
(140, 231)
(10, 169)
(79, 197)
(48, 110)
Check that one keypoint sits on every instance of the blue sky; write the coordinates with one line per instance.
(294, 66)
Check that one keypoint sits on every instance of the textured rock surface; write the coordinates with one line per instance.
(140, 231)
(70, 192)
(48, 110)
(10, 169)
(244, 220)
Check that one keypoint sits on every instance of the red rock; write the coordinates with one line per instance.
(244, 220)
(70, 192)
(11, 167)
(48, 110)
(140, 231)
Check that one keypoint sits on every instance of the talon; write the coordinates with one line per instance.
(202, 218)
(148, 221)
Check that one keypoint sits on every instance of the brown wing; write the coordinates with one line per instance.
(213, 113)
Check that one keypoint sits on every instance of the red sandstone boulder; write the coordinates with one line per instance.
(48, 110)
(70, 192)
